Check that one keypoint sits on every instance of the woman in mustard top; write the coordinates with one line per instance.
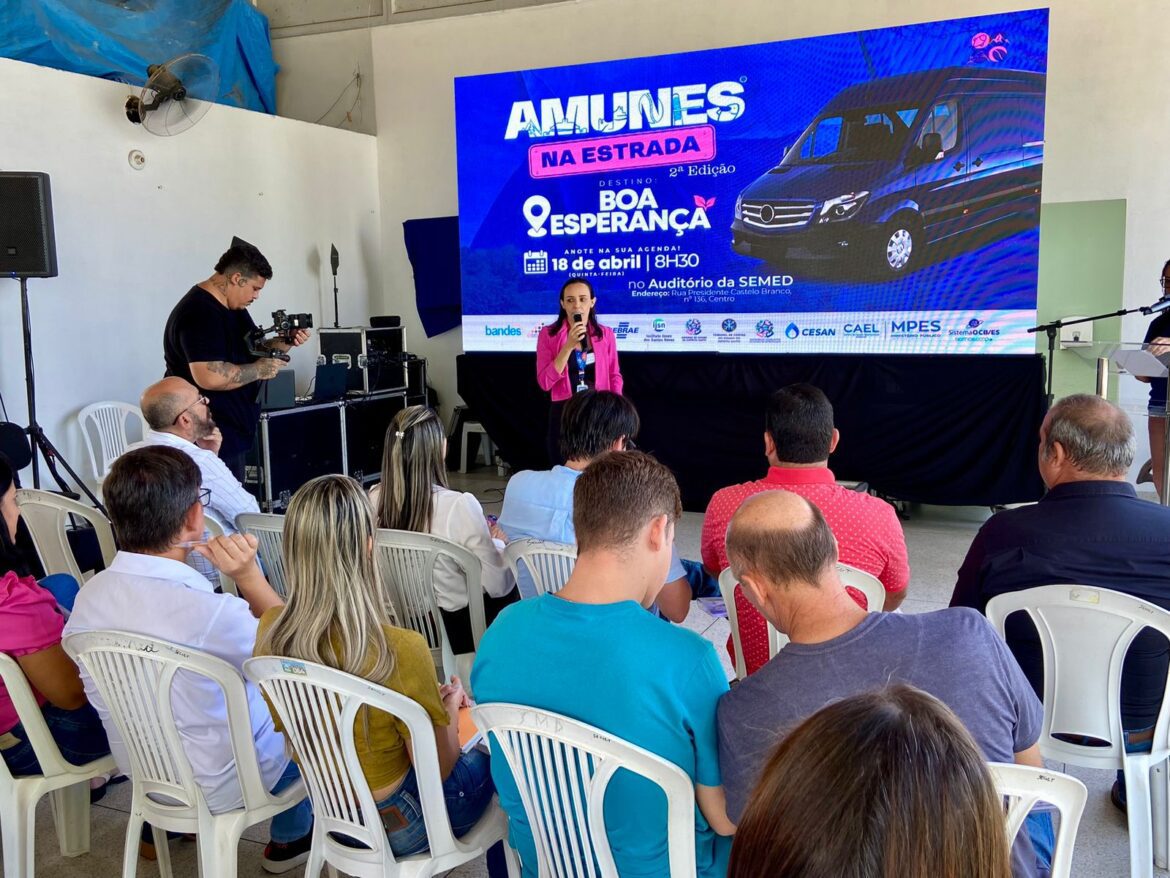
(336, 615)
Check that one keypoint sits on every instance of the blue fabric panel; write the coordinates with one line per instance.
(433, 248)
(117, 39)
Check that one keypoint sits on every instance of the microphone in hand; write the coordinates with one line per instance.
(586, 344)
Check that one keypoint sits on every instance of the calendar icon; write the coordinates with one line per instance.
(536, 262)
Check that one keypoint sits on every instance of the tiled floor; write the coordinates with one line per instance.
(937, 539)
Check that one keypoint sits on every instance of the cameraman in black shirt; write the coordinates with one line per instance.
(206, 342)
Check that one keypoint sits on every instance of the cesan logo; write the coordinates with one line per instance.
(632, 110)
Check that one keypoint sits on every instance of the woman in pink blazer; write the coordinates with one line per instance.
(573, 354)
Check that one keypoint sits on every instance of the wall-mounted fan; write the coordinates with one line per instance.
(176, 95)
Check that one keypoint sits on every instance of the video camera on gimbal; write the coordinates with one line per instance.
(285, 327)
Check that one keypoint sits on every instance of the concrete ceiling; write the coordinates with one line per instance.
(288, 18)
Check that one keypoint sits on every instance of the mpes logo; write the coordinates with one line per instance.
(694, 326)
(765, 329)
(659, 325)
(728, 325)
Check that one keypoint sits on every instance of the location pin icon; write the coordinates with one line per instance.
(536, 211)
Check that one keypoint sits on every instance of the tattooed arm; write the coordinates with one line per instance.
(218, 375)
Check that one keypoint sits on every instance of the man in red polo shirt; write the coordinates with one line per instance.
(798, 440)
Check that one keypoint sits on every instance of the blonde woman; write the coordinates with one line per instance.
(335, 615)
(414, 496)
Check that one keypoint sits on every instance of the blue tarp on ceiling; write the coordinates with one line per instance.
(117, 39)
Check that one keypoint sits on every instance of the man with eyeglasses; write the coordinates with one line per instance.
(179, 417)
(153, 497)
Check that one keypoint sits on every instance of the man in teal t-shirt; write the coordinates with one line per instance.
(592, 653)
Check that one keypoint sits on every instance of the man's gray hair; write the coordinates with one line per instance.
(1096, 435)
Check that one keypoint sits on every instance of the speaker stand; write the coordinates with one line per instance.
(36, 435)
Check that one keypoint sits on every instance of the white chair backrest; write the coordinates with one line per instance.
(1024, 787)
(215, 528)
(1084, 634)
(317, 707)
(35, 730)
(562, 768)
(269, 531)
(67, 784)
(47, 517)
(875, 596)
(548, 564)
(107, 422)
(727, 586)
(134, 675)
(407, 564)
(866, 583)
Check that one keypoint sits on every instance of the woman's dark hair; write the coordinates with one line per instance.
(11, 558)
(594, 326)
(593, 420)
(885, 784)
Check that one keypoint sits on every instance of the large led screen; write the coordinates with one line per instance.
(874, 191)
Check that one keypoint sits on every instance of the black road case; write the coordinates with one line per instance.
(374, 356)
(295, 445)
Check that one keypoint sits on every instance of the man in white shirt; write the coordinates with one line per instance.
(179, 417)
(155, 503)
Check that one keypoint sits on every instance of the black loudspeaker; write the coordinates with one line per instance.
(27, 245)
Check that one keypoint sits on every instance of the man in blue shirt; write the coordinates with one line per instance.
(539, 504)
(1089, 529)
(604, 661)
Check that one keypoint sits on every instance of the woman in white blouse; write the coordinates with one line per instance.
(414, 496)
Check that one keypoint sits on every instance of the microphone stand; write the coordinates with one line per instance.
(1052, 328)
(333, 262)
(1056, 325)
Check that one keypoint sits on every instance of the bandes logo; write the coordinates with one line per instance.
(633, 110)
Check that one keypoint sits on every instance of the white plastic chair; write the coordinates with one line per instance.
(485, 441)
(215, 528)
(269, 531)
(548, 564)
(67, 785)
(868, 585)
(134, 675)
(407, 562)
(1024, 787)
(47, 517)
(562, 768)
(315, 702)
(727, 584)
(107, 421)
(1084, 633)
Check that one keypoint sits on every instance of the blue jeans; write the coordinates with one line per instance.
(1041, 833)
(297, 821)
(468, 791)
(1138, 747)
(78, 733)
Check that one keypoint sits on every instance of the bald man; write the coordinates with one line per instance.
(784, 557)
(178, 415)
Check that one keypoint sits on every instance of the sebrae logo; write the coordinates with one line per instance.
(634, 110)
